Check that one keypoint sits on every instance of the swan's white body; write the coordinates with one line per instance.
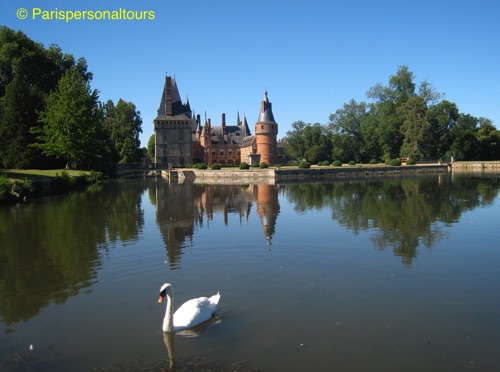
(190, 314)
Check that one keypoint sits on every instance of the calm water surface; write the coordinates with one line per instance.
(378, 275)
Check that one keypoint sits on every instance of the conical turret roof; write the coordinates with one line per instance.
(266, 111)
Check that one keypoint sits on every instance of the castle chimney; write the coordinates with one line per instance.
(223, 124)
(168, 95)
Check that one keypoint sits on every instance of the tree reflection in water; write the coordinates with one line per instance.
(52, 249)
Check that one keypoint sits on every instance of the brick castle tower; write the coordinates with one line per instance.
(266, 132)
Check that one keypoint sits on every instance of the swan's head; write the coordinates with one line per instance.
(163, 291)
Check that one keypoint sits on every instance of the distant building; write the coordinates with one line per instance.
(262, 147)
(181, 139)
(173, 128)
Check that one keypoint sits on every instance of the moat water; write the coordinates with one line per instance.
(396, 274)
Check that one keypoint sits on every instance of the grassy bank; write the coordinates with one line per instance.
(21, 185)
(38, 174)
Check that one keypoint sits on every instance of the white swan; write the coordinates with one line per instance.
(190, 314)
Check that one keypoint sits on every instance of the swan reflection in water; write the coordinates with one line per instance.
(169, 338)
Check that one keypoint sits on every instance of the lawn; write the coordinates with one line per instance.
(36, 174)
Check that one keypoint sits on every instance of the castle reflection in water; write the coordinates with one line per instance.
(180, 208)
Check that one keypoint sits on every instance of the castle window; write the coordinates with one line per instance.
(261, 127)
(221, 152)
(181, 135)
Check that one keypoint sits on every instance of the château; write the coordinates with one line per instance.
(181, 139)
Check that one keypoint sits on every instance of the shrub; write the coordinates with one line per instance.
(352, 162)
(94, 176)
(263, 165)
(255, 164)
(11, 191)
(325, 163)
(215, 166)
(202, 166)
(395, 162)
(244, 165)
(373, 161)
(5, 187)
(293, 163)
(337, 163)
(410, 161)
(304, 164)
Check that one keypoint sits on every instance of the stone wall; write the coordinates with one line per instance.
(472, 166)
(272, 176)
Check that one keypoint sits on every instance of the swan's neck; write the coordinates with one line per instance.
(168, 320)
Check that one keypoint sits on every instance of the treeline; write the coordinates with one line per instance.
(50, 117)
(402, 120)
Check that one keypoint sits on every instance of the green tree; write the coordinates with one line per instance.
(465, 145)
(488, 140)
(418, 140)
(443, 117)
(388, 114)
(316, 143)
(28, 73)
(387, 100)
(22, 63)
(345, 131)
(72, 122)
(151, 148)
(294, 140)
(123, 124)
(400, 88)
(369, 129)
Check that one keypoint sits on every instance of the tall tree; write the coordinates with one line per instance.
(294, 140)
(346, 133)
(151, 148)
(317, 145)
(387, 100)
(71, 122)
(418, 140)
(489, 140)
(443, 117)
(28, 73)
(465, 145)
(123, 124)
(22, 94)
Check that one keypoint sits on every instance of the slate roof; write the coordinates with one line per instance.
(178, 108)
(248, 141)
(266, 111)
(234, 133)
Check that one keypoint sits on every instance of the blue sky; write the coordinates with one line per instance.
(311, 56)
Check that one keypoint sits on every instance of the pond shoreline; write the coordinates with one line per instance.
(274, 176)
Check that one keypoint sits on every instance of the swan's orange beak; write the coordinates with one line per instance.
(160, 299)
